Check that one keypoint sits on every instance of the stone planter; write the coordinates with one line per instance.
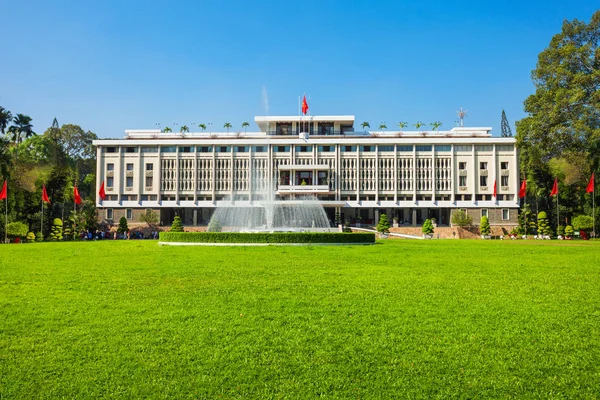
(486, 237)
(383, 236)
(428, 235)
(395, 223)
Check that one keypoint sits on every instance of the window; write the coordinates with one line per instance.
(348, 148)
(303, 149)
(462, 181)
(204, 149)
(149, 197)
(367, 148)
(149, 166)
(129, 213)
(130, 149)
(223, 149)
(463, 148)
(326, 149)
(506, 148)
(483, 181)
(484, 148)
(168, 149)
(149, 181)
(129, 167)
(405, 148)
(112, 197)
(462, 165)
(385, 148)
(281, 149)
(186, 149)
(110, 149)
(483, 165)
(505, 214)
(109, 213)
(424, 148)
(110, 182)
(283, 128)
(445, 147)
(110, 167)
(504, 180)
(259, 149)
(484, 212)
(129, 181)
(153, 149)
(504, 165)
(241, 149)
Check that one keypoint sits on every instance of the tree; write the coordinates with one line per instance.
(484, 226)
(5, 119)
(582, 223)
(16, 230)
(402, 125)
(569, 231)
(245, 125)
(56, 233)
(150, 217)
(435, 125)
(21, 127)
(505, 127)
(167, 130)
(461, 219)
(177, 225)
(202, 126)
(382, 126)
(418, 125)
(384, 224)
(427, 228)
(184, 129)
(122, 228)
(227, 126)
(31, 237)
(365, 125)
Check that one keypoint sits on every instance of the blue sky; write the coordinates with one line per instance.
(115, 65)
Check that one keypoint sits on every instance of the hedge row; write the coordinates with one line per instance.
(266, 237)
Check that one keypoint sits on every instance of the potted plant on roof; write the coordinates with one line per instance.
(395, 221)
(484, 228)
(427, 229)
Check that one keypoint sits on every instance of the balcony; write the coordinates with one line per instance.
(302, 189)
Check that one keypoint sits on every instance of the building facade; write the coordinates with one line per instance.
(409, 176)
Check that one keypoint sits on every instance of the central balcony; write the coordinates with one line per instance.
(302, 189)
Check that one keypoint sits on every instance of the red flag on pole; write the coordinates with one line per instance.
(76, 196)
(3, 192)
(554, 191)
(523, 190)
(590, 186)
(102, 193)
(495, 192)
(45, 198)
(304, 105)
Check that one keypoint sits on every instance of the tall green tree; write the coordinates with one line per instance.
(21, 128)
(365, 125)
(245, 125)
(227, 126)
(5, 119)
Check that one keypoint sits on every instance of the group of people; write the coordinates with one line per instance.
(114, 235)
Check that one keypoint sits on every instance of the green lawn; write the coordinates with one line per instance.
(400, 319)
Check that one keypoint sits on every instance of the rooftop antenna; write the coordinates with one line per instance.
(461, 116)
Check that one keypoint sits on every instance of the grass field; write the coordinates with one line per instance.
(400, 319)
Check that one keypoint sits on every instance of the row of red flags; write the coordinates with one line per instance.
(102, 192)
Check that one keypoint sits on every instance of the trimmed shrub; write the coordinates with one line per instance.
(543, 226)
(569, 231)
(122, 228)
(582, 222)
(427, 228)
(56, 232)
(16, 230)
(177, 225)
(384, 224)
(30, 237)
(39, 237)
(267, 237)
(561, 230)
(461, 219)
(484, 226)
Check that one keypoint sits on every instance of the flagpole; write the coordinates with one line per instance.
(5, 219)
(42, 223)
(557, 214)
(594, 210)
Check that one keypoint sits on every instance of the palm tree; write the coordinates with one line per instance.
(5, 118)
(202, 126)
(382, 126)
(245, 125)
(22, 128)
(365, 125)
(418, 125)
(402, 125)
(227, 126)
(435, 125)
(184, 129)
(167, 129)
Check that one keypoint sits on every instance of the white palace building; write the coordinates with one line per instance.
(407, 175)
